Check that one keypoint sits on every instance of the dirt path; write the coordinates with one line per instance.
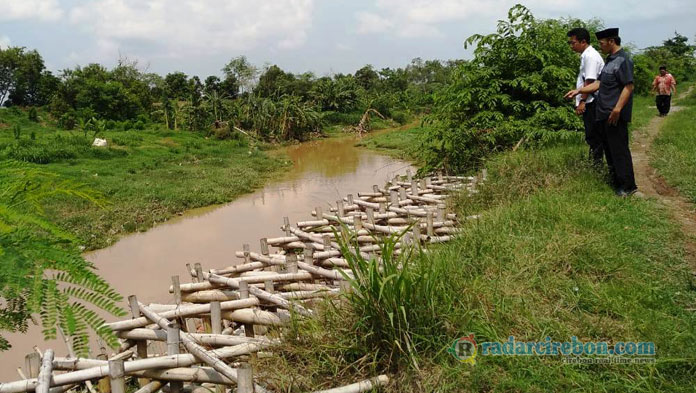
(653, 185)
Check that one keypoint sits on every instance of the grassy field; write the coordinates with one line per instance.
(554, 254)
(674, 152)
(147, 176)
(400, 142)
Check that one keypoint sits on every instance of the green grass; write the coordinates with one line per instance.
(554, 254)
(146, 176)
(401, 142)
(674, 150)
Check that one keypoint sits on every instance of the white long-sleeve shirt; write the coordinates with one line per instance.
(591, 64)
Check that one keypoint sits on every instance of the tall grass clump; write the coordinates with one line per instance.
(395, 300)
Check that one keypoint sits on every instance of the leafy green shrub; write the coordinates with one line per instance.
(400, 117)
(222, 133)
(513, 88)
(33, 115)
(16, 131)
(350, 118)
(67, 121)
(394, 298)
(139, 125)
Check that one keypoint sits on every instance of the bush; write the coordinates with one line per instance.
(400, 117)
(33, 115)
(139, 125)
(351, 118)
(16, 131)
(222, 133)
(394, 298)
(68, 121)
(514, 87)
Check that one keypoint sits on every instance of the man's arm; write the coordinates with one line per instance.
(674, 86)
(623, 99)
(583, 98)
(589, 89)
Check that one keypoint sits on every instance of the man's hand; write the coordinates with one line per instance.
(614, 116)
(580, 109)
(571, 94)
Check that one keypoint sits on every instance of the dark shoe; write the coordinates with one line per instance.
(625, 194)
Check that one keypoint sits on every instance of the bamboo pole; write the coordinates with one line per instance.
(44, 379)
(201, 338)
(117, 376)
(187, 374)
(245, 384)
(151, 387)
(184, 311)
(173, 338)
(359, 387)
(32, 364)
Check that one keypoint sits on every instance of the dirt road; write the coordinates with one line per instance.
(653, 185)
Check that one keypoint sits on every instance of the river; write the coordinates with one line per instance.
(323, 171)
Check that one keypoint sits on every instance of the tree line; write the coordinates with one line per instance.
(272, 103)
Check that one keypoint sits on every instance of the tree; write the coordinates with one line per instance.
(678, 45)
(274, 82)
(367, 77)
(9, 63)
(176, 86)
(512, 88)
(42, 270)
(242, 71)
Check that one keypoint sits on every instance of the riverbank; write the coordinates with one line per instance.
(555, 254)
(146, 176)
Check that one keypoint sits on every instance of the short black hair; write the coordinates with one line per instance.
(617, 40)
(663, 67)
(580, 33)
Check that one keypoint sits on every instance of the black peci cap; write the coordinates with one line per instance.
(608, 33)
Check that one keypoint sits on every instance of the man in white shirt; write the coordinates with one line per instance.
(591, 64)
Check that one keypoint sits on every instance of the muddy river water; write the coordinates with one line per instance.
(323, 171)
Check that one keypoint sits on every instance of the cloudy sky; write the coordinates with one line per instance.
(323, 36)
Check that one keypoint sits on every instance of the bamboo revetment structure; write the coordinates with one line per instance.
(218, 321)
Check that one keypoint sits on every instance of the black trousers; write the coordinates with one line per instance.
(615, 142)
(663, 103)
(592, 135)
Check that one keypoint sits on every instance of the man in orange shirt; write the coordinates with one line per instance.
(664, 85)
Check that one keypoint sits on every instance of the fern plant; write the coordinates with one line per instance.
(41, 269)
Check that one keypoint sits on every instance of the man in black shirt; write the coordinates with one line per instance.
(613, 109)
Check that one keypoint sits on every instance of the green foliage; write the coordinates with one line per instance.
(24, 79)
(33, 114)
(16, 131)
(675, 53)
(42, 271)
(393, 298)
(513, 88)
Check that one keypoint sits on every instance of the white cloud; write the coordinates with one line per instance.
(369, 23)
(424, 18)
(5, 42)
(45, 10)
(172, 28)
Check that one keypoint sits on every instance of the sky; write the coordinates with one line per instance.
(326, 37)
